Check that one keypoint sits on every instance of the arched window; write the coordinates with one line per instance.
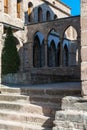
(18, 8)
(6, 6)
(70, 36)
(52, 51)
(39, 14)
(30, 5)
(55, 16)
(48, 16)
(52, 55)
(65, 56)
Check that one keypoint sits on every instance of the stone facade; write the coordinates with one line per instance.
(46, 61)
(48, 40)
(46, 67)
(84, 47)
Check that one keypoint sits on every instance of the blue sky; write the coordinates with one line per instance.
(75, 6)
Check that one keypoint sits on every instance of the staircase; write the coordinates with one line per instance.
(33, 107)
(73, 115)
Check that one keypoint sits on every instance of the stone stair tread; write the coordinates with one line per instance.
(41, 99)
(23, 103)
(70, 112)
(21, 125)
(33, 107)
(39, 96)
(18, 113)
(34, 118)
(43, 109)
(58, 86)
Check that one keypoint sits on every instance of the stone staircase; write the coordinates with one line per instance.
(73, 114)
(32, 107)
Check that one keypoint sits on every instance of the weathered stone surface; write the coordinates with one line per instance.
(74, 103)
(32, 105)
(83, 46)
(73, 114)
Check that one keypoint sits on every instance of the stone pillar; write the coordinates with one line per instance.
(79, 50)
(61, 52)
(45, 42)
(1, 33)
(84, 47)
(30, 50)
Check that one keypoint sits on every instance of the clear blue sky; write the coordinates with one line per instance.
(75, 6)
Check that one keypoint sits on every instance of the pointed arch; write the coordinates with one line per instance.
(48, 15)
(70, 33)
(40, 17)
(70, 38)
(38, 50)
(53, 35)
(52, 55)
(55, 16)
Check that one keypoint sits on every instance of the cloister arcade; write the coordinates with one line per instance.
(50, 52)
(54, 44)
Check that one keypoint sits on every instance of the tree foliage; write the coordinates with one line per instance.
(10, 56)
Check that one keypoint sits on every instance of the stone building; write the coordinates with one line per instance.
(53, 47)
(48, 40)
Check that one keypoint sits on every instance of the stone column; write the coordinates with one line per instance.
(61, 52)
(45, 42)
(79, 50)
(84, 47)
(1, 33)
(30, 50)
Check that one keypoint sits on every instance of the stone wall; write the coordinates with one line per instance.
(10, 18)
(1, 32)
(44, 75)
(54, 7)
(84, 47)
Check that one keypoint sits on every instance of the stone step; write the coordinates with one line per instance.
(74, 103)
(13, 97)
(44, 89)
(47, 110)
(7, 89)
(70, 119)
(11, 125)
(70, 115)
(27, 118)
(55, 100)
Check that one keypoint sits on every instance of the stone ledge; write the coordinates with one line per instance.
(74, 103)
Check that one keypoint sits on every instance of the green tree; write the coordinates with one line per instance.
(10, 57)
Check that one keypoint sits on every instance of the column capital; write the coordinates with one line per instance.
(45, 42)
(61, 38)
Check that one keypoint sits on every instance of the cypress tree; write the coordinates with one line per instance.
(10, 57)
